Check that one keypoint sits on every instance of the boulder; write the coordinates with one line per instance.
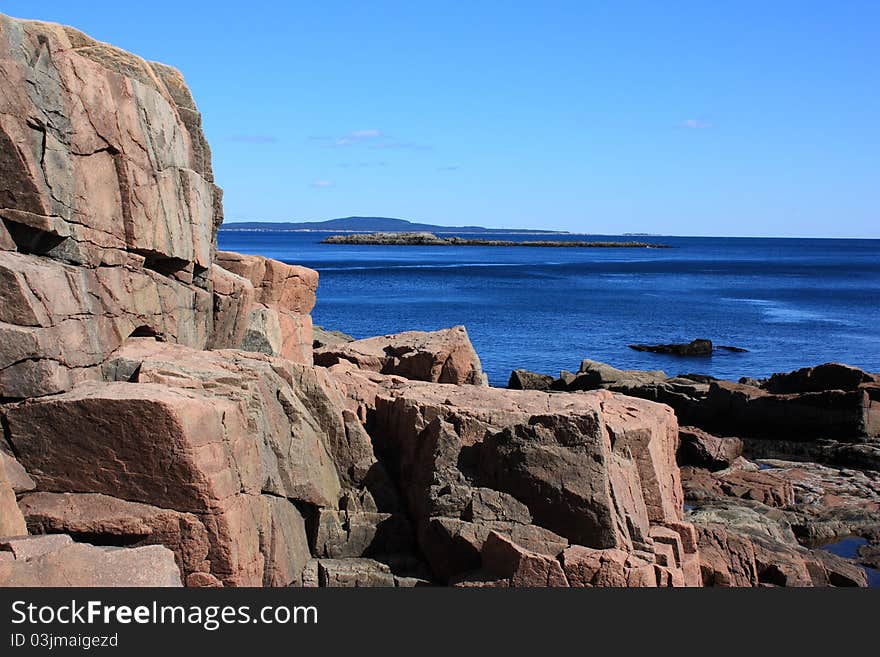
(594, 375)
(727, 559)
(52, 561)
(737, 409)
(703, 450)
(760, 486)
(525, 380)
(445, 356)
(278, 285)
(359, 573)
(827, 569)
(85, 177)
(216, 435)
(106, 520)
(505, 559)
(588, 567)
(540, 470)
(322, 337)
(16, 475)
(829, 376)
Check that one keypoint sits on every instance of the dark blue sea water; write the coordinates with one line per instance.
(790, 302)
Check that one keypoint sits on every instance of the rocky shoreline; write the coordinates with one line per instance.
(172, 418)
(787, 463)
(430, 239)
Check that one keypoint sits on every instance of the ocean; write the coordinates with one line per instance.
(790, 302)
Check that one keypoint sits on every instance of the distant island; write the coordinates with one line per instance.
(430, 239)
(372, 225)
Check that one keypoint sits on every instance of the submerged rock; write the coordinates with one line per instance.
(699, 347)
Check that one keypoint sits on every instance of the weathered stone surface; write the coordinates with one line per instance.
(525, 380)
(588, 567)
(11, 519)
(287, 287)
(593, 468)
(62, 563)
(760, 486)
(204, 433)
(445, 356)
(827, 569)
(16, 475)
(105, 520)
(737, 409)
(703, 450)
(322, 337)
(594, 375)
(830, 376)
(727, 559)
(263, 305)
(361, 573)
(263, 317)
(102, 149)
(520, 567)
(59, 322)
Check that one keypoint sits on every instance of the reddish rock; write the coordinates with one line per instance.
(445, 356)
(286, 287)
(520, 567)
(595, 468)
(16, 475)
(11, 520)
(112, 521)
(827, 569)
(703, 450)
(587, 567)
(47, 561)
(727, 559)
(761, 486)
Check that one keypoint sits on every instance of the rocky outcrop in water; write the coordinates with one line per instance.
(430, 239)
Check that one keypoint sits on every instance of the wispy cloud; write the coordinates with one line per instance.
(322, 184)
(253, 139)
(371, 138)
(453, 167)
(356, 137)
(696, 124)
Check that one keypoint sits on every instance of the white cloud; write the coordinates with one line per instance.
(696, 124)
(322, 184)
(358, 136)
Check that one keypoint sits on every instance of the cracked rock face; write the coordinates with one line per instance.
(445, 356)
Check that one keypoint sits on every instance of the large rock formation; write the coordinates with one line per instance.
(108, 220)
(538, 470)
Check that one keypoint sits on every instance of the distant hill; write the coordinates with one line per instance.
(369, 225)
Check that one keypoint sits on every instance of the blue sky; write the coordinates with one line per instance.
(690, 118)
